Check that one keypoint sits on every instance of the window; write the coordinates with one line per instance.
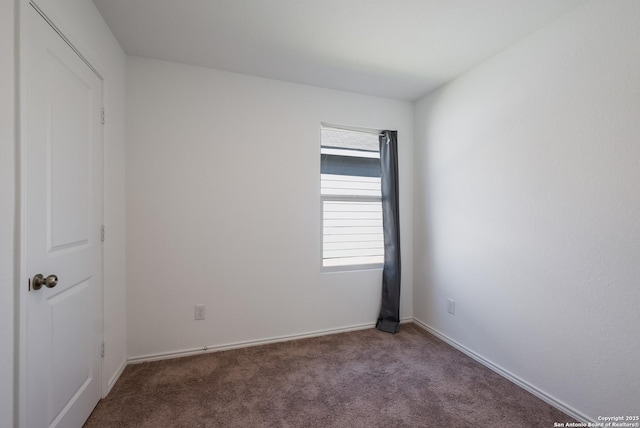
(352, 236)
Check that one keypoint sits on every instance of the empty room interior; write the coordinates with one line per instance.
(495, 147)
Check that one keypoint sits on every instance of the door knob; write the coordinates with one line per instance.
(38, 280)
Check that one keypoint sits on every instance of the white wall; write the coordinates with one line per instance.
(81, 22)
(223, 208)
(7, 207)
(528, 210)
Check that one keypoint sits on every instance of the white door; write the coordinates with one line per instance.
(62, 177)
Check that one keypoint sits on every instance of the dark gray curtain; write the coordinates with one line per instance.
(389, 318)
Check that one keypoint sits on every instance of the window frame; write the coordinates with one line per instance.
(346, 198)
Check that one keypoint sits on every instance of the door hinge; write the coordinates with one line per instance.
(102, 233)
(102, 350)
(103, 120)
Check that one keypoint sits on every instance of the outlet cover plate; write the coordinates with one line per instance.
(451, 306)
(200, 312)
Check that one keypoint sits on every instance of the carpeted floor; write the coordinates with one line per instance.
(358, 379)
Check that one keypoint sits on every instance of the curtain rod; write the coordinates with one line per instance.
(351, 128)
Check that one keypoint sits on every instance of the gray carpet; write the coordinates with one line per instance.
(358, 379)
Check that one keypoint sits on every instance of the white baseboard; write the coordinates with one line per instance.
(508, 375)
(115, 377)
(248, 343)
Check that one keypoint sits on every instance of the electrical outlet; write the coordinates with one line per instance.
(200, 312)
(451, 306)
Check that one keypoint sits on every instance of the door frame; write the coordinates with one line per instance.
(57, 23)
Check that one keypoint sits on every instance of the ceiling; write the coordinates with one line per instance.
(399, 49)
